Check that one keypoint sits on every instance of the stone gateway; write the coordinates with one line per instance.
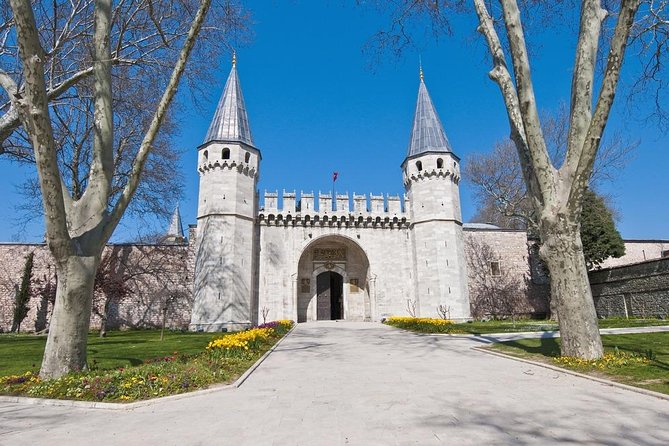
(312, 258)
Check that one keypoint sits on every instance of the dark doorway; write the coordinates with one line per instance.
(330, 296)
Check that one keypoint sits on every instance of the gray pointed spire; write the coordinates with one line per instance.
(176, 228)
(427, 134)
(230, 121)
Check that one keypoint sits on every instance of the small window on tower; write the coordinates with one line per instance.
(495, 269)
(419, 166)
(205, 155)
(226, 154)
(440, 163)
(247, 157)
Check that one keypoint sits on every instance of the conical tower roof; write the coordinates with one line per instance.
(230, 121)
(427, 134)
(176, 228)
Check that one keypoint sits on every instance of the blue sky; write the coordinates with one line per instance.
(317, 104)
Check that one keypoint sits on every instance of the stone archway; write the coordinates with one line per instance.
(346, 266)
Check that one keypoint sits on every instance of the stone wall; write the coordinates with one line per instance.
(637, 290)
(639, 251)
(510, 286)
(137, 283)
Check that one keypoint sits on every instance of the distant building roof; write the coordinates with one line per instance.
(480, 226)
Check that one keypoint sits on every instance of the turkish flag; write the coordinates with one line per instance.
(335, 175)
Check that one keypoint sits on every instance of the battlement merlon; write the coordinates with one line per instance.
(345, 205)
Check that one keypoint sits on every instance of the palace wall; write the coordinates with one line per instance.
(137, 282)
(636, 290)
(639, 251)
(154, 274)
(505, 276)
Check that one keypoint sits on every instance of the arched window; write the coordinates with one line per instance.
(247, 157)
(205, 155)
(419, 166)
(440, 163)
(226, 154)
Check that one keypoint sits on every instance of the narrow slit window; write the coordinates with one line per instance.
(440, 163)
(419, 166)
(247, 157)
(495, 269)
(226, 154)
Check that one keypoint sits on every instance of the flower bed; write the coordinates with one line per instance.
(222, 361)
(423, 324)
(608, 361)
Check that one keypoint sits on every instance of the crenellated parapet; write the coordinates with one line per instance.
(359, 210)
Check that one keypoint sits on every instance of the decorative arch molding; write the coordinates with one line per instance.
(354, 266)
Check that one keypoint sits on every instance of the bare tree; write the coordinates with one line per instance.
(497, 177)
(556, 192)
(146, 37)
(78, 225)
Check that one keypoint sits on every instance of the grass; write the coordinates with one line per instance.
(650, 373)
(136, 365)
(507, 326)
(21, 353)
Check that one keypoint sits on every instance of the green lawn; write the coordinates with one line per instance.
(507, 326)
(21, 353)
(653, 375)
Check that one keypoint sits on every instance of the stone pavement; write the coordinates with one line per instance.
(340, 383)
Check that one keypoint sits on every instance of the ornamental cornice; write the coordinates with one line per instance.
(428, 174)
(332, 221)
(241, 168)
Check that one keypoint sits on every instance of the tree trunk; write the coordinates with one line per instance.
(68, 334)
(562, 251)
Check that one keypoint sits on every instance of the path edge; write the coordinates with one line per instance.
(608, 382)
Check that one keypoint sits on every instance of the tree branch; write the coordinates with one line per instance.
(500, 74)
(157, 120)
(628, 9)
(95, 199)
(34, 111)
(536, 145)
(10, 121)
(582, 84)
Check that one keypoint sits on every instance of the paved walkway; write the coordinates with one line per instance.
(368, 384)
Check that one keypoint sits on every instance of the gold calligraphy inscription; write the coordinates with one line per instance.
(329, 254)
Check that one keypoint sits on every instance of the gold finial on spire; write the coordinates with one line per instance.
(234, 58)
(420, 68)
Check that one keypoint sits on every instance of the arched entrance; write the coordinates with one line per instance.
(333, 281)
(330, 296)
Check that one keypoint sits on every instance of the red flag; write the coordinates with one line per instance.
(335, 175)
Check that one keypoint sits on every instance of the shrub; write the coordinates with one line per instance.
(420, 324)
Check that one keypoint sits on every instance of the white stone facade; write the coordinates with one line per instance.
(363, 259)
